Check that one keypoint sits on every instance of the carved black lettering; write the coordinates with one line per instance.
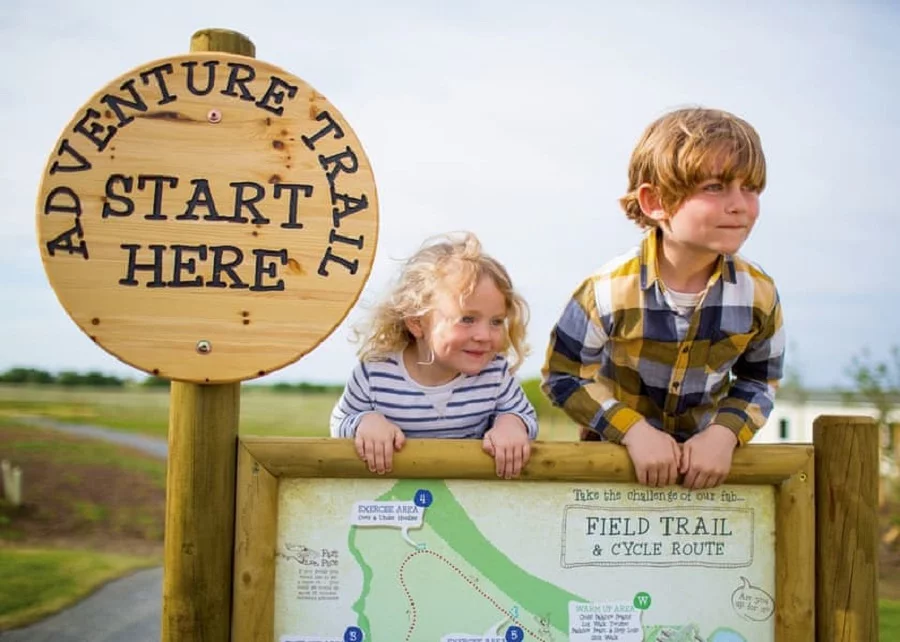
(337, 164)
(236, 79)
(210, 76)
(66, 241)
(330, 126)
(116, 103)
(241, 201)
(293, 188)
(264, 268)
(189, 266)
(68, 150)
(352, 266)
(220, 265)
(157, 74)
(62, 200)
(93, 133)
(275, 93)
(201, 197)
(158, 181)
(126, 202)
(133, 266)
(351, 205)
(334, 237)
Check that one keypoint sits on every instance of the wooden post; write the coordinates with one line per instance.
(200, 482)
(846, 476)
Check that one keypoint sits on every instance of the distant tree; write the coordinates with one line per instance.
(877, 382)
(155, 382)
(27, 375)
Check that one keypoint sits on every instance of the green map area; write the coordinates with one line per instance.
(453, 583)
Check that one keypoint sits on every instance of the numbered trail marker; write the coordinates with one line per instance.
(208, 218)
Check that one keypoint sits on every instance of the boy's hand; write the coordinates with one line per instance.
(706, 457)
(376, 440)
(655, 454)
(507, 442)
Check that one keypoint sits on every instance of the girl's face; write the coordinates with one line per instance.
(463, 336)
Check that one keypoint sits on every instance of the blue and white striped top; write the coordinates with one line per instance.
(464, 408)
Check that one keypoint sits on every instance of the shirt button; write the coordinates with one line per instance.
(674, 385)
(685, 350)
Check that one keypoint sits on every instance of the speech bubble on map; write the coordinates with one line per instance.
(402, 515)
(751, 602)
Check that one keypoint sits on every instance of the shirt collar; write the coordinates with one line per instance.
(649, 258)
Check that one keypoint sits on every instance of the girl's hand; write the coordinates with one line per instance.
(376, 440)
(507, 442)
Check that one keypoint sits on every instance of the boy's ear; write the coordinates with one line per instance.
(651, 206)
(414, 325)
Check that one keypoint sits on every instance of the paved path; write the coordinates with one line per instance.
(152, 445)
(127, 610)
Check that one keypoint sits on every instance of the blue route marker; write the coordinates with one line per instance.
(514, 634)
(353, 634)
(424, 498)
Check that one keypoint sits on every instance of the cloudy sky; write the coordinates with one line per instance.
(515, 120)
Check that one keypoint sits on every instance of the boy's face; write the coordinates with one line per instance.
(717, 217)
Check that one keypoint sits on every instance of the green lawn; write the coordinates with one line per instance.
(889, 620)
(263, 411)
(37, 582)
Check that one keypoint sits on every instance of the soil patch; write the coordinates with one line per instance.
(81, 493)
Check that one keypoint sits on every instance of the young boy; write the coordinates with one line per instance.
(675, 349)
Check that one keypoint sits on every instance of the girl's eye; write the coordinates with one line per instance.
(467, 319)
(498, 323)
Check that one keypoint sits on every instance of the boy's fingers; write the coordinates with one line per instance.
(488, 445)
(399, 440)
(360, 448)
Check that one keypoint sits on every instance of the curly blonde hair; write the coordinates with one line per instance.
(446, 264)
(681, 149)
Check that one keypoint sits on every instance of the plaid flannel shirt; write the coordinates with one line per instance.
(620, 353)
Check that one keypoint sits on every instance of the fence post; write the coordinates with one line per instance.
(846, 475)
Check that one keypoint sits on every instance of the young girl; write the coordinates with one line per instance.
(434, 361)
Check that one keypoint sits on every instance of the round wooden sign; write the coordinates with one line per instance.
(208, 218)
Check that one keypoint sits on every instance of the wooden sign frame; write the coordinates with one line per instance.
(264, 461)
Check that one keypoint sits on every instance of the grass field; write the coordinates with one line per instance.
(37, 582)
(146, 410)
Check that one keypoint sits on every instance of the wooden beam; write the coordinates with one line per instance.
(846, 456)
(464, 459)
(254, 554)
(795, 558)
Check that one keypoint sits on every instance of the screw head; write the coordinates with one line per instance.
(214, 116)
(204, 346)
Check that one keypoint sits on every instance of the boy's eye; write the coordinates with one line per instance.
(714, 186)
(467, 319)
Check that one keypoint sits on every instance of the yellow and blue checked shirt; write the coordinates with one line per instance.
(620, 353)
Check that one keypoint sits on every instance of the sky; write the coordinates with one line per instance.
(514, 119)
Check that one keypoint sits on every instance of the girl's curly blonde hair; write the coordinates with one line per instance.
(679, 150)
(446, 264)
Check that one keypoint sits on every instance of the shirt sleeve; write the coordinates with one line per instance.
(512, 401)
(355, 402)
(569, 376)
(756, 375)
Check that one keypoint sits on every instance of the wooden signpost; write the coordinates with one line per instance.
(209, 218)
